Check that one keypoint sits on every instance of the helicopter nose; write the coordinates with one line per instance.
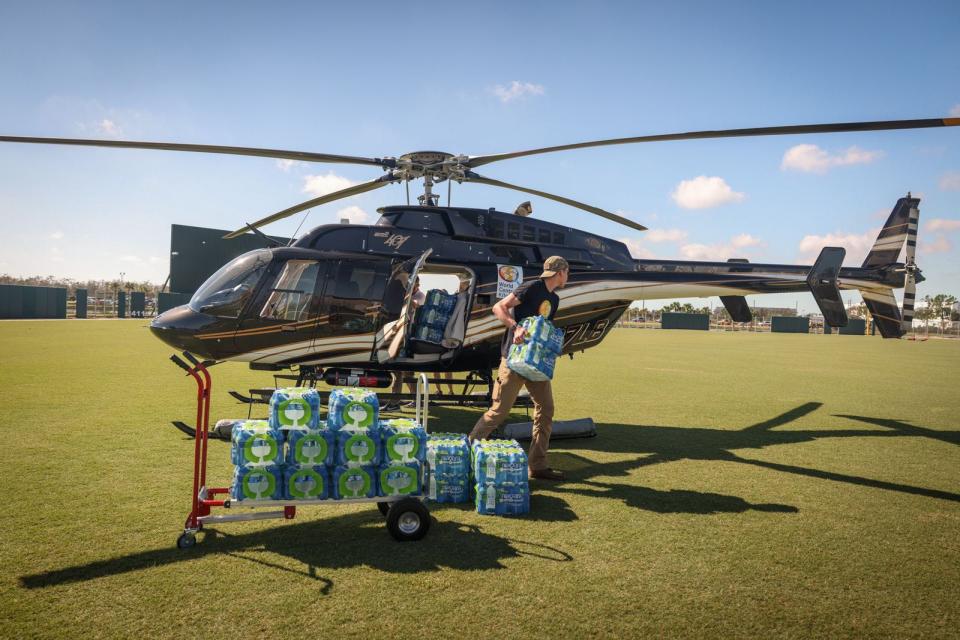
(178, 328)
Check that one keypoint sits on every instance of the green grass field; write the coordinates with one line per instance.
(742, 485)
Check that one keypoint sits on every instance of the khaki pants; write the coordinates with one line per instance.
(505, 392)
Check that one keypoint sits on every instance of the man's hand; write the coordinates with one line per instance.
(519, 334)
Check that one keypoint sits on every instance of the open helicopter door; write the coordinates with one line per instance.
(398, 309)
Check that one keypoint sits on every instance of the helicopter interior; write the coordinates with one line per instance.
(396, 341)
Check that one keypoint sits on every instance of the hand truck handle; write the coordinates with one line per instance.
(189, 356)
(180, 363)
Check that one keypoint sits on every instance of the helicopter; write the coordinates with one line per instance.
(341, 297)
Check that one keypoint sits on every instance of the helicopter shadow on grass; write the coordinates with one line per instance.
(361, 541)
(664, 444)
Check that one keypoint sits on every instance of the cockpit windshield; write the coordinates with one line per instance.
(226, 291)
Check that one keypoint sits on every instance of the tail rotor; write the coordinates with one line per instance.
(910, 269)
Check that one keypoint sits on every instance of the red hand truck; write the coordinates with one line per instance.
(407, 517)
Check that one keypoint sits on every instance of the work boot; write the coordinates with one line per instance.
(546, 474)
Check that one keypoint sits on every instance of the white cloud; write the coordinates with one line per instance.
(703, 192)
(517, 90)
(155, 260)
(955, 111)
(284, 164)
(734, 248)
(942, 224)
(665, 235)
(134, 259)
(940, 244)
(56, 255)
(637, 249)
(321, 185)
(857, 245)
(810, 158)
(356, 215)
(109, 127)
(950, 181)
(57, 235)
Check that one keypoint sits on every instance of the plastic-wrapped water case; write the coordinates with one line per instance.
(403, 442)
(531, 360)
(428, 333)
(443, 435)
(358, 447)
(441, 301)
(257, 483)
(500, 464)
(503, 499)
(295, 408)
(399, 479)
(354, 482)
(449, 490)
(306, 482)
(448, 458)
(541, 330)
(253, 443)
(352, 408)
(305, 447)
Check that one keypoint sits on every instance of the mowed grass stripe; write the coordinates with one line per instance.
(742, 485)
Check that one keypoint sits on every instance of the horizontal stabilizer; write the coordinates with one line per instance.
(737, 307)
(884, 311)
(822, 281)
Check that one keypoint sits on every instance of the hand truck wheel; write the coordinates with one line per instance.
(408, 520)
(186, 540)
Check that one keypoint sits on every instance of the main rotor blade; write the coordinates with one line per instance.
(882, 125)
(304, 156)
(473, 177)
(382, 181)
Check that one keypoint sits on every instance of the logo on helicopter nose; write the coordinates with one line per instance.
(396, 240)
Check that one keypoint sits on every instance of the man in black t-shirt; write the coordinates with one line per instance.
(535, 297)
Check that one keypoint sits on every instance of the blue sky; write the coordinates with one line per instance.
(476, 79)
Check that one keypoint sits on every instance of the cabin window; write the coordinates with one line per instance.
(544, 236)
(558, 238)
(513, 231)
(356, 293)
(495, 228)
(290, 296)
(512, 255)
(529, 233)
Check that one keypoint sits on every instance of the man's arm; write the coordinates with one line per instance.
(504, 312)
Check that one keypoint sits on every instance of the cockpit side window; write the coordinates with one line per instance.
(225, 293)
(290, 296)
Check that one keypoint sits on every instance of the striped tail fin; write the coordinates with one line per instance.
(899, 230)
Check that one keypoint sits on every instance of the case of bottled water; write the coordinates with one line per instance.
(354, 482)
(403, 440)
(306, 447)
(295, 407)
(399, 479)
(358, 447)
(306, 482)
(352, 408)
(503, 499)
(255, 443)
(257, 483)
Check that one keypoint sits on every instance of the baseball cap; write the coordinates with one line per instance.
(553, 264)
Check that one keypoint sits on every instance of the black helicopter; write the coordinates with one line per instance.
(341, 297)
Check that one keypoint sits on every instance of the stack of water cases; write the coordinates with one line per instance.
(448, 464)
(500, 473)
(257, 454)
(404, 448)
(433, 316)
(309, 445)
(353, 417)
(534, 359)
